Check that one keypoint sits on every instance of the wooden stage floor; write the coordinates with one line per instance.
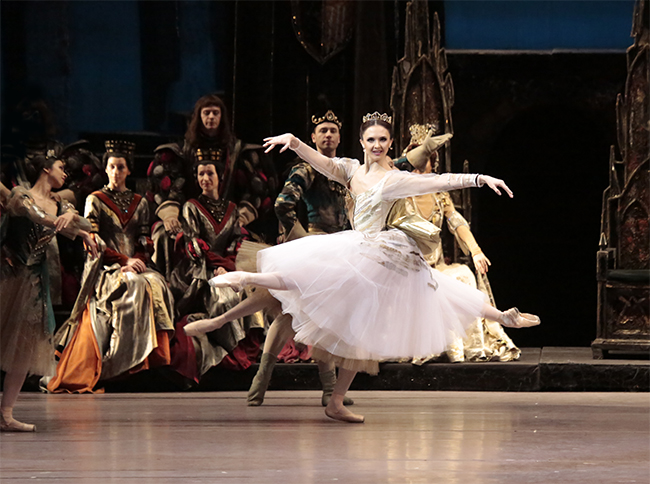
(408, 437)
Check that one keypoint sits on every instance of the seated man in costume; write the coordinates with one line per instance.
(122, 319)
(210, 240)
(485, 340)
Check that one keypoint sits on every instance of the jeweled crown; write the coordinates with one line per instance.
(119, 146)
(208, 154)
(383, 117)
(329, 117)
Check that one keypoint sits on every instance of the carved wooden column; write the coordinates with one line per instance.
(423, 93)
(623, 261)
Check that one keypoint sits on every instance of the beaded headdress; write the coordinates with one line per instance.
(329, 117)
(118, 146)
(208, 155)
(383, 117)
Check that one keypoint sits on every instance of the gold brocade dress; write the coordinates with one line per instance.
(484, 340)
(26, 316)
(211, 238)
(122, 321)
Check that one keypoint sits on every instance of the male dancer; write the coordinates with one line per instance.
(325, 202)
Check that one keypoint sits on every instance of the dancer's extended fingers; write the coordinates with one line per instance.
(503, 185)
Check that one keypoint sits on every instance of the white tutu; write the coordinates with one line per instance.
(362, 296)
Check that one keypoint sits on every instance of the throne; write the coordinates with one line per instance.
(623, 262)
(423, 93)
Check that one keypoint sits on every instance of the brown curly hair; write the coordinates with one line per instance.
(193, 133)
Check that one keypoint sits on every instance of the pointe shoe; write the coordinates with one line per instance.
(512, 318)
(235, 280)
(202, 326)
(344, 415)
(14, 425)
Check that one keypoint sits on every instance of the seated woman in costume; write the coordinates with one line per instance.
(31, 219)
(123, 317)
(484, 340)
(211, 237)
(248, 177)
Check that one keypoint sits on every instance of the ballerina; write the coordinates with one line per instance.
(32, 219)
(367, 295)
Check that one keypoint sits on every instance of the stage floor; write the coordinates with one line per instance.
(408, 437)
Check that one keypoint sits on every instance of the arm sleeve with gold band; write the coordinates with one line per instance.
(192, 232)
(22, 204)
(460, 228)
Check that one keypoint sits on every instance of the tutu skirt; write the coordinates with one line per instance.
(366, 298)
(25, 342)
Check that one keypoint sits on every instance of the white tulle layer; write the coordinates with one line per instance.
(367, 297)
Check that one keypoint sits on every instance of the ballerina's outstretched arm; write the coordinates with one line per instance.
(337, 169)
(402, 184)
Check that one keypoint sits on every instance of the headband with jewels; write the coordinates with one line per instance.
(383, 117)
(329, 117)
(121, 147)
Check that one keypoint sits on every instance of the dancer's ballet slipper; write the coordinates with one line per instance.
(13, 425)
(235, 280)
(343, 415)
(203, 326)
(512, 318)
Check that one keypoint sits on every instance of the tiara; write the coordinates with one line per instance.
(419, 132)
(383, 117)
(208, 154)
(118, 146)
(329, 117)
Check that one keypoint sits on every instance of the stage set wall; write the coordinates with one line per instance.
(535, 89)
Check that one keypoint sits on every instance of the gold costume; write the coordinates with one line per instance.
(485, 340)
(121, 321)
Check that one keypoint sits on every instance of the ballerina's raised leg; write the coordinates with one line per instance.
(237, 280)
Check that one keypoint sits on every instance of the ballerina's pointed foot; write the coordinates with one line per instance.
(512, 318)
(13, 425)
(203, 326)
(236, 280)
(343, 414)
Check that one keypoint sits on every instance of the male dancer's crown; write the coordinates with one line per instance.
(329, 117)
(383, 117)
